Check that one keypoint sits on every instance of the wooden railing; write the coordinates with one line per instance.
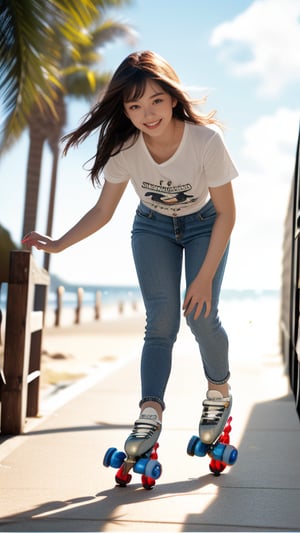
(26, 300)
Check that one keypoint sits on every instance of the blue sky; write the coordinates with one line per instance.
(244, 56)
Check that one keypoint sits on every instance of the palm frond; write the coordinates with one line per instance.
(84, 83)
(110, 30)
(78, 15)
(38, 40)
(81, 13)
(27, 63)
(100, 35)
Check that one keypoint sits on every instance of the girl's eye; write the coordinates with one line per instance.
(133, 107)
(157, 101)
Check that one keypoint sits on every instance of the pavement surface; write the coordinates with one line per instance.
(52, 477)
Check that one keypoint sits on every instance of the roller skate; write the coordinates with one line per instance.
(214, 429)
(140, 452)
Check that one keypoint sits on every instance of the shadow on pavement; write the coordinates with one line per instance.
(91, 513)
(262, 493)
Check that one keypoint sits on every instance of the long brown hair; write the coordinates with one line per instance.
(128, 83)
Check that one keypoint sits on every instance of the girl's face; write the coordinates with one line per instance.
(153, 112)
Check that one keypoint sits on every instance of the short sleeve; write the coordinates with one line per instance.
(218, 165)
(114, 171)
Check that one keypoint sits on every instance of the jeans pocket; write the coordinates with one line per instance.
(144, 211)
(207, 212)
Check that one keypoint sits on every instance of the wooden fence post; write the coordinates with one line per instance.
(40, 302)
(19, 352)
(98, 305)
(17, 346)
(80, 293)
(59, 299)
(1, 316)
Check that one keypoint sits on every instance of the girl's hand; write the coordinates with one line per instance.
(41, 242)
(198, 294)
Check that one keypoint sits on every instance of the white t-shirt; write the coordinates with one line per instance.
(179, 186)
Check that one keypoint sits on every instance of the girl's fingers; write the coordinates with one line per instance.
(26, 238)
(189, 306)
(35, 239)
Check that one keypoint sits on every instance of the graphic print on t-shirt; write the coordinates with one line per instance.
(167, 194)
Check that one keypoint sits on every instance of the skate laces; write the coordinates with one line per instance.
(213, 408)
(146, 425)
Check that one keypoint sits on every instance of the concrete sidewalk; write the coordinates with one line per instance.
(52, 478)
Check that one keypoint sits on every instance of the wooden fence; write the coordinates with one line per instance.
(25, 319)
(60, 291)
(26, 301)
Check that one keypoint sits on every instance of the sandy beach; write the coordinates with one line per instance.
(73, 351)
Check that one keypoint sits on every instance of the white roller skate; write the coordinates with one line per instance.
(145, 433)
(141, 452)
(216, 411)
(214, 430)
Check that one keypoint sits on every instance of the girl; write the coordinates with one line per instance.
(150, 134)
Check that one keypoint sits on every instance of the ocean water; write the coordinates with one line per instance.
(114, 294)
(109, 295)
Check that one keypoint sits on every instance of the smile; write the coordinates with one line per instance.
(153, 124)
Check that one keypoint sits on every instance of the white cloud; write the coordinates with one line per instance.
(263, 42)
(270, 143)
(262, 199)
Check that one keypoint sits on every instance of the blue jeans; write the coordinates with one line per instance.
(160, 244)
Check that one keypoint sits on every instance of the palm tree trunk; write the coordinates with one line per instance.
(37, 139)
(55, 153)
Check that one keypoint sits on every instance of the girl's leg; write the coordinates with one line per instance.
(213, 343)
(209, 332)
(158, 260)
(210, 336)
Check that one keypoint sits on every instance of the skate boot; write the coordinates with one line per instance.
(141, 452)
(216, 410)
(144, 435)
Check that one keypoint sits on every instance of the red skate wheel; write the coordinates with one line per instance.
(148, 482)
(122, 479)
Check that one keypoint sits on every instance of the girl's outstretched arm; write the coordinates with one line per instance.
(91, 222)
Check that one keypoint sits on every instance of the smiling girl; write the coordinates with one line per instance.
(150, 134)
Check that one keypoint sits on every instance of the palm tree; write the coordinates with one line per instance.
(58, 43)
(79, 78)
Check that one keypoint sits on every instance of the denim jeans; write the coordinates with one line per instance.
(161, 245)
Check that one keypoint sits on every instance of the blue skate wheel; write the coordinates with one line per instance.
(153, 469)
(108, 455)
(230, 455)
(225, 453)
(197, 447)
(140, 465)
(117, 459)
(218, 452)
(201, 448)
(114, 458)
(191, 446)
